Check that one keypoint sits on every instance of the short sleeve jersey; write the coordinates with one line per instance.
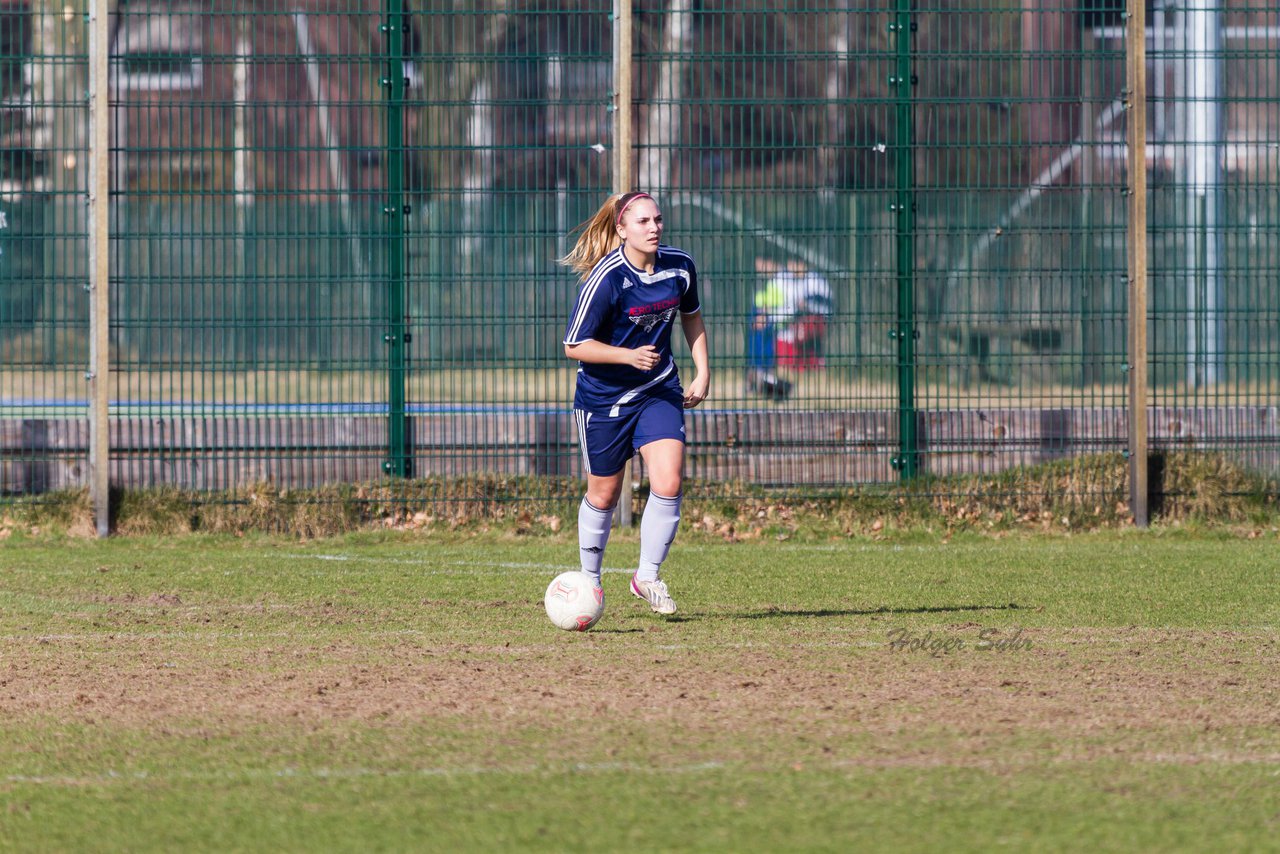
(622, 305)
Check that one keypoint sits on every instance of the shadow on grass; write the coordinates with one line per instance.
(770, 613)
(660, 621)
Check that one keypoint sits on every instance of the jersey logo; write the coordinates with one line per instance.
(648, 321)
(649, 316)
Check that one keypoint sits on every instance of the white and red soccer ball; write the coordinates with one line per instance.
(573, 601)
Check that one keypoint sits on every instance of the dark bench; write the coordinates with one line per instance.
(975, 343)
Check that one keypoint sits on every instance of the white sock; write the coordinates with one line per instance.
(657, 532)
(593, 536)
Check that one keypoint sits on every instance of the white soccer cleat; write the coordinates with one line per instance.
(655, 593)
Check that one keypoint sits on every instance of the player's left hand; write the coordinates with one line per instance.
(696, 392)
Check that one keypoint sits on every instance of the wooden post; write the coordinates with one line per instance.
(622, 166)
(1136, 52)
(623, 171)
(99, 369)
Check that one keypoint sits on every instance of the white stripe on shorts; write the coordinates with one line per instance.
(582, 417)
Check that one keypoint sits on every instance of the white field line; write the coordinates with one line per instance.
(464, 567)
(800, 764)
(468, 567)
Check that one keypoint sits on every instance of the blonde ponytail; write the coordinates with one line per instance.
(599, 237)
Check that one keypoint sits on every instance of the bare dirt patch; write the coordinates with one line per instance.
(1081, 683)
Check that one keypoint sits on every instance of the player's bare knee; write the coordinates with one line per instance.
(604, 496)
(667, 486)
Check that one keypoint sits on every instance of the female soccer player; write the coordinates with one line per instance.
(628, 394)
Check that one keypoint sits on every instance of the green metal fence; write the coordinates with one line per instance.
(43, 312)
(335, 225)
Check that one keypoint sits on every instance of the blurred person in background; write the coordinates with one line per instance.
(806, 307)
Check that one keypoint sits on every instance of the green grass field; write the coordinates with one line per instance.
(1115, 691)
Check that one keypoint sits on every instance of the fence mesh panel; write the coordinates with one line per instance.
(44, 308)
(249, 301)
(1215, 305)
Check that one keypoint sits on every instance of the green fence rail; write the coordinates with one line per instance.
(335, 225)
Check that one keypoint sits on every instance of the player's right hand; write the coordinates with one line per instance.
(644, 358)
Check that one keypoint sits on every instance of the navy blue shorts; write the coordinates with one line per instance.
(608, 442)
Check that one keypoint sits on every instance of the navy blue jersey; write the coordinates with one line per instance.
(624, 306)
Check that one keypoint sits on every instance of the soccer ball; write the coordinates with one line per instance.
(573, 601)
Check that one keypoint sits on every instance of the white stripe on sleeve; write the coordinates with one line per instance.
(588, 294)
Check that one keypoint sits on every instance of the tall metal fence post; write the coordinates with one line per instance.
(1136, 72)
(622, 155)
(399, 460)
(99, 369)
(902, 81)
